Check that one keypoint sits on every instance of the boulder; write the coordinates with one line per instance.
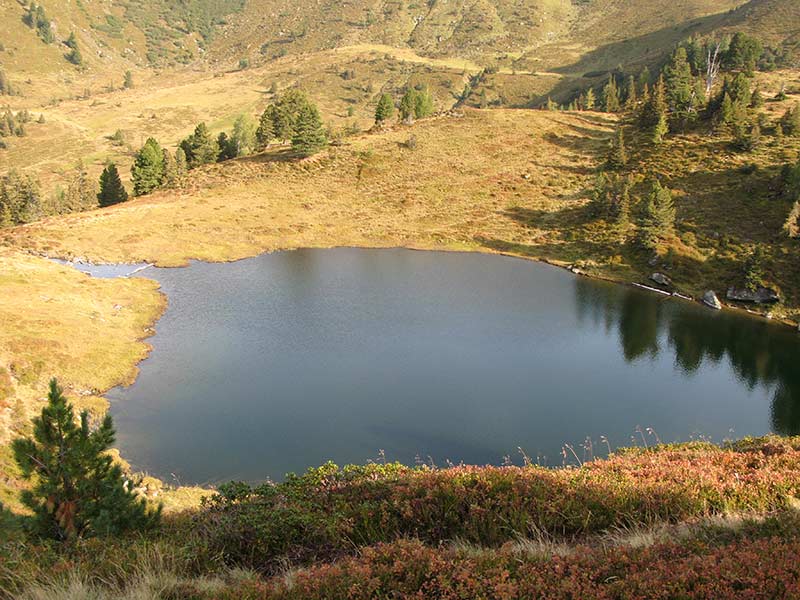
(710, 299)
(661, 279)
(761, 295)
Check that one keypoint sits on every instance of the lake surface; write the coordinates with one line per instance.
(284, 361)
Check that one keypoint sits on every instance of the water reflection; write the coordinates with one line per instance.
(760, 352)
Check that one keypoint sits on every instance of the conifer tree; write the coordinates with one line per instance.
(71, 42)
(631, 95)
(622, 210)
(200, 147)
(75, 57)
(600, 205)
(384, 110)
(658, 216)
(147, 172)
(408, 104)
(111, 189)
(423, 103)
(679, 87)
(265, 131)
(170, 169)
(588, 103)
(617, 155)
(756, 98)
(645, 79)
(754, 269)
(78, 490)
(127, 82)
(226, 148)
(611, 101)
(181, 166)
(790, 121)
(309, 137)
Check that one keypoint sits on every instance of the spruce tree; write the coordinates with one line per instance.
(75, 57)
(622, 210)
(170, 169)
(589, 100)
(147, 172)
(265, 131)
(611, 101)
(617, 155)
(658, 216)
(754, 269)
(309, 137)
(423, 103)
(408, 105)
(226, 148)
(181, 166)
(790, 121)
(384, 110)
(200, 147)
(78, 490)
(111, 189)
(679, 87)
(631, 95)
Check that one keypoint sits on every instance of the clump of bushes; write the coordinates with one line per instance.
(328, 511)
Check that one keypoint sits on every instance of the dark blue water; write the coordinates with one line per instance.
(284, 361)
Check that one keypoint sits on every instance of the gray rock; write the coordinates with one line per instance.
(710, 299)
(661, 279)
(761, 295)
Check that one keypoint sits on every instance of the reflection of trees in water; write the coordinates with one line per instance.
(759, 352)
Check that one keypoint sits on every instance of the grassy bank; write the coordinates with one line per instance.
(643, 522)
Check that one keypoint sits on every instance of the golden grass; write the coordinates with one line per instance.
(58, 322)
(492, 176)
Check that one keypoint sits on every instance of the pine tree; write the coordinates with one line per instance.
(408, 105)
(181, 166)
(147, 172)
(384, 110)
(726, 112)
(679, 87)
(265, 131)
(200, 147)
(226, 148)
(309, 137)
(622, 209)
(645, 79)
(600, 205)
(658, 217)
(71, 42)
(754, 269)
(756, 99)
(617, 155)
(127, 82)
(78, 490)
(611, 101)
(790, 121)
(170, 169)
(75, 57)
(588, 103)
(630, 95)
(423, 103)
(111, 189)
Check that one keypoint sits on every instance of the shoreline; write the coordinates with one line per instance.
(675, 294)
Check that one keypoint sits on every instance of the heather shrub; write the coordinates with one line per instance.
(328, 511)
